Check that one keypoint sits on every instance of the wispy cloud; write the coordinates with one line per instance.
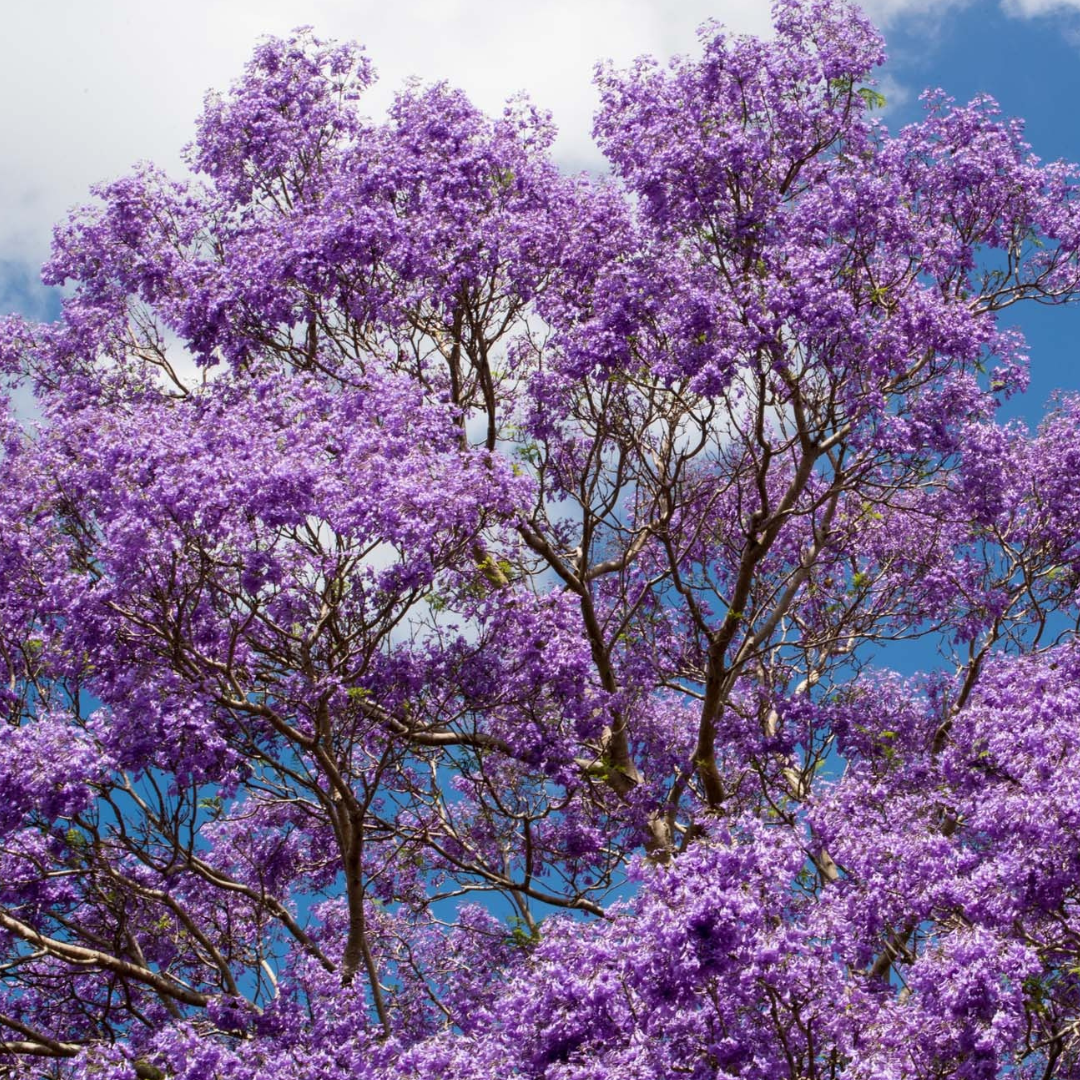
(1027, 9)
(887, 13)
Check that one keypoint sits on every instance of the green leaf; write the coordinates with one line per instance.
(871, 97)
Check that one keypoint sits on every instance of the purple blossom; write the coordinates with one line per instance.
(441, 607)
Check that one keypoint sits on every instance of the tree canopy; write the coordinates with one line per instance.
(445, 603)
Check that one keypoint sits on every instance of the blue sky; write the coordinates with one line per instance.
(103, 85)
(1032, 67)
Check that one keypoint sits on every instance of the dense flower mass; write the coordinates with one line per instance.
(440, 598)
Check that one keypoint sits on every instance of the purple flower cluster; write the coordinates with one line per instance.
(439, 603)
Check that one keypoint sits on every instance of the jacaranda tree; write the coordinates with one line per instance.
(477, 668)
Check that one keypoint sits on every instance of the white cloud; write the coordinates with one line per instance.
(92, 88)
(886, 12)
(1027, 9)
